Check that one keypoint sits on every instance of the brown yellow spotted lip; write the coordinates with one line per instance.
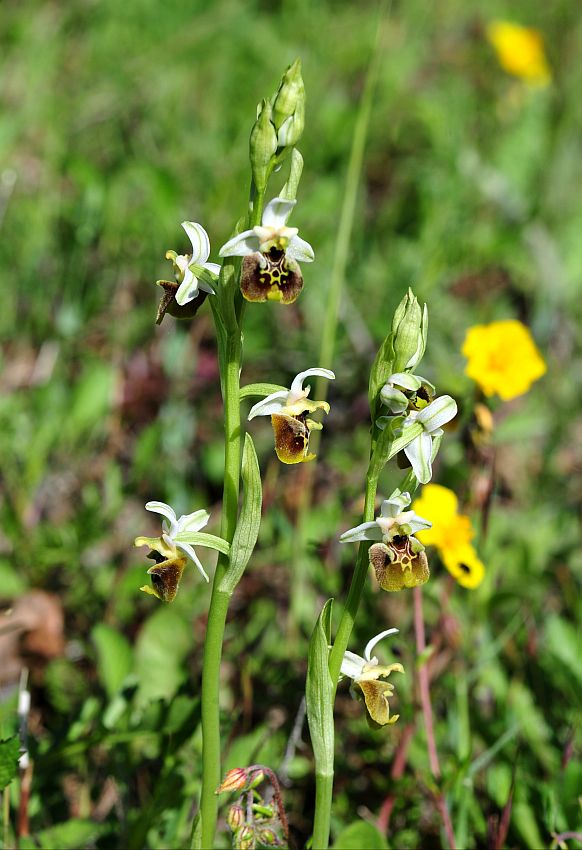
(271, 277)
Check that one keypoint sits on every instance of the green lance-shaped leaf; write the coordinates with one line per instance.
(9, 752)
(261, 389)
(319, 693)
(247, 530)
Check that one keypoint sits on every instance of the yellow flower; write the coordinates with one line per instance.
(451, 534)
(464, 565)
(503, 358)
(520, 51)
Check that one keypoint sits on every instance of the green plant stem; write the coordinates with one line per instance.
(323, 799)
(211, 768)
(356, 587)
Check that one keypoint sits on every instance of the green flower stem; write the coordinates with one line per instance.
(323, 800)
(355, 593)
(211, 768)
(211, 751)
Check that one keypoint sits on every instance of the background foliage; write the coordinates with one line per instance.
(120, 121)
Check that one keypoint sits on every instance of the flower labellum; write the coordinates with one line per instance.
(271, 250)
(365, 674)
(288, 410)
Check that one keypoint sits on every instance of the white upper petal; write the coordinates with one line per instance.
(352, 665)
(212, 267)
(296, 390)
(406, 380)
(419, 453)
(165, 511)
(194, 521)
(372, 643)
(299, 249)
(241, 245)
(200, 241)
(271, 404)
(189, 551)
(277, 212)
(437, 413)
(395, 504)
(365, 531)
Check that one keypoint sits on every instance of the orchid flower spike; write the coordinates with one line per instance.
(288, 409)
(271, 251)
(365, 674)
(193, 271)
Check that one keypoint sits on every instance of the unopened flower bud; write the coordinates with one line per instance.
(256, 778)
(235, 817)
(409, 331)
(289, 106)
(235, 780)
(268, 836)
(245, 838)
(263, 145)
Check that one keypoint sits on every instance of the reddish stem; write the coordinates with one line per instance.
(396, 772)
(424, 690)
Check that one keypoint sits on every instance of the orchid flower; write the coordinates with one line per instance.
(172, 527)
(432, 417)
(271, 251)
(193, 271)
(365, 674)
(288, 409)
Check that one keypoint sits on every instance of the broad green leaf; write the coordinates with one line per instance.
(114, 657)
(160, 650)
(9, 752)
(71, 835)
(261, 389)
(200, 538)
(358, 835)
(319, 693)
(249, 521)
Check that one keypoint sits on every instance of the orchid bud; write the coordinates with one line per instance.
(235, 780)
(262, 146)
(289, 106)
(409, 332)
(235, 817)
(245, 838)
(268, 836)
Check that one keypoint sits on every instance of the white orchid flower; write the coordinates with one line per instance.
(358, 669)
(393, 521)
(420, 450)
(194, 268)
(271, 233)
(365, 674)
(173, 526)
(392, 393)
(294, 400)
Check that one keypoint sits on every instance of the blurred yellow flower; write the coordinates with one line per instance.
(503, 358)
(451, 534)
(520, 51)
